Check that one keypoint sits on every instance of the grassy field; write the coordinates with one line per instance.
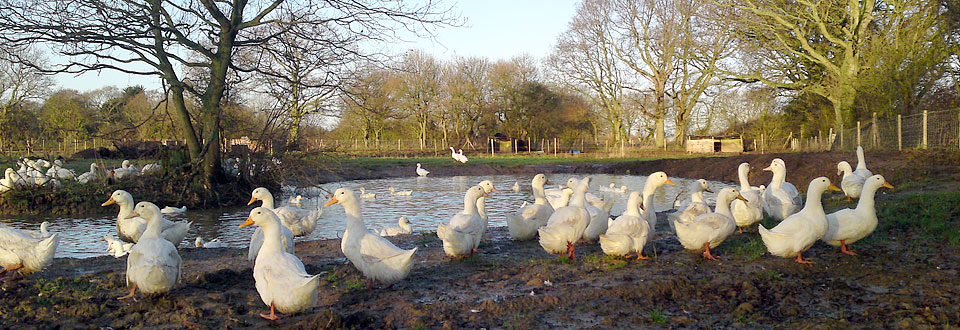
(507, 160)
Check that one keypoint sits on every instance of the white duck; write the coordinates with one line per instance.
(463, 158)
(256, 241)
(599, 219)
(488, 188)
(862, 170)
(116, 247)
(126, 171)
(780, 199)
(281, 280)
(462, 234)
(524, 223)
(422, 171)
(654, 181)
(566, 225)
(375, 256)
(799, 231)
(173, 210)
(215, 243)
(851, 184)
(58, 172)
(130, 227)
(403, 229)
(151, 168)
(23, 253)
(153, 265)
(516, 186)
(692, 207)
(554, 196)
(613, 189)
(90, 176)
(454, 155)
(300, 221)
(628, 233)
(44, 231)
(9, 180)
(394, 192)
(296, 201)
(749, 212)
(365, 194)
(850, 225)
(711, 229)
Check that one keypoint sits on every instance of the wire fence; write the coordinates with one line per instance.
(926, 130)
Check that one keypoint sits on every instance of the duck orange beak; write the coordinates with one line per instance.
(707, 189)
(252, 200)
(134, 215)
(834, 188)
(333, 200)
(246, 223)
(109, 202)
(740, 197)
(670, 182)
(493, 190)
(887, 185)
(548, 182)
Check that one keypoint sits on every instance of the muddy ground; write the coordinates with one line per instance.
(901, 279)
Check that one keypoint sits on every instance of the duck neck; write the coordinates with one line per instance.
(579, 198)
(723, 207)
(482, 207)
(813, 201)
(540, 198)
(697, 196)
(861, 163)
(272, 241)
(633, 205)
(470, 204)
(779, 177)
(125, 210)
(354, 217)
(648, 201)
(405, 226)
(744, 180)
(154, 227)
(846, 172)
(268, 201)
(866, 197)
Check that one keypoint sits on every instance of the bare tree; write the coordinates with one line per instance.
(19, 82)
(155, 37)
(421, 90)
(584, 61)
(468, 86)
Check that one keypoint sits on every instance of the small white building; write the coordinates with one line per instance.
(714, 144)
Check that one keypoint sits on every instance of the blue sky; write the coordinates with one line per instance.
(495, 29)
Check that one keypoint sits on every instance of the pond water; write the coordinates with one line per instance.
(434, 200)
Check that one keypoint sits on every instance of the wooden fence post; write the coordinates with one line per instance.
(899, 133)
(859, 143)
(876, 140)
(841, 136)
(924, 129)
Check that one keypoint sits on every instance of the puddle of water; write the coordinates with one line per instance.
(434, 200)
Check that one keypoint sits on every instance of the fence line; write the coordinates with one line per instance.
(925, 130)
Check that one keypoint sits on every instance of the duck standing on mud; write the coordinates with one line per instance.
(281, 279)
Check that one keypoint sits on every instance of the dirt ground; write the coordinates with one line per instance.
(900, 281)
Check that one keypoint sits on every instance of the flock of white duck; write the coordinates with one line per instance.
(40, 172)
(561, 218)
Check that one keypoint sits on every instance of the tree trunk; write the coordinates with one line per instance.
(659, 132)
(184, 123)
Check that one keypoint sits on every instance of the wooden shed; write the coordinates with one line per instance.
(713, 144)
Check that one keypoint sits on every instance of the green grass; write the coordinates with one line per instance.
(748, 245)
(506, 160)
(605, 263)
(770, 275)
(656, 315)
(932, 215)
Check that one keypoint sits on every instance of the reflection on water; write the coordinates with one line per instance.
(434, 200)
